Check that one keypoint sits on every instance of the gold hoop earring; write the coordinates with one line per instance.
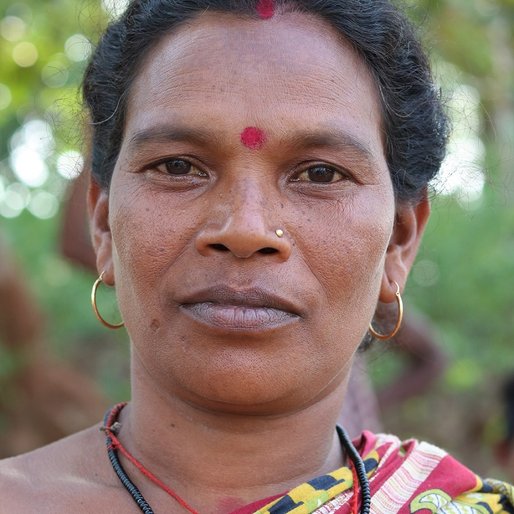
(385, 337)
(112, 326)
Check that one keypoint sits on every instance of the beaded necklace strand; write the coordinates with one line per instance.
(112, 426)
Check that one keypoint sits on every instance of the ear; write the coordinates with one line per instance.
(409, 226)
(98, 208)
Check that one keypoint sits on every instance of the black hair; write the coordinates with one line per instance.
(415, 125)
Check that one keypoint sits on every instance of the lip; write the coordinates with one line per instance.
(251, 309)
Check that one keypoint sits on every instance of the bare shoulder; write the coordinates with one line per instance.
(69, 475)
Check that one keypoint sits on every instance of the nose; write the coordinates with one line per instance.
(244, 226)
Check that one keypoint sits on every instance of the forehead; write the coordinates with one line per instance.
(219, 67)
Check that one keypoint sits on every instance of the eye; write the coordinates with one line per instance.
(179, 167)
(321, 175)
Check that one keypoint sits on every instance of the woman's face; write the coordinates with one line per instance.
(236, 128)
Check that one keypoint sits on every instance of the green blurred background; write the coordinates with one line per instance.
(464, 276)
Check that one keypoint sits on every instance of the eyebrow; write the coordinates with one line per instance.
(331, 138)
(168, 134)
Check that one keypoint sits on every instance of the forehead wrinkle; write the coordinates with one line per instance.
(185, 79)
(291, 88)
(195, 46)
(186, 65)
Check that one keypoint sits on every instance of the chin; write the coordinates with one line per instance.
(247, 390)
(242, 392)
(245, 375)
(232, 386)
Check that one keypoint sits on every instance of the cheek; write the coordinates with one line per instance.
(139, 246)
(147, 239)
(349, 254)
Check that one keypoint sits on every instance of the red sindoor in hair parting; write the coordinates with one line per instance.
(266, 9)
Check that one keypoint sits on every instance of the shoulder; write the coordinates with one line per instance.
(66, 476)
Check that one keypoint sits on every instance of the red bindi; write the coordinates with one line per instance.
(266, 9)
(253, 138)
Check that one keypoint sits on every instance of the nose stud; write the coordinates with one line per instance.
(279, 232)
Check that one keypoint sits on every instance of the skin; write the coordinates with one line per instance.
(216, 388)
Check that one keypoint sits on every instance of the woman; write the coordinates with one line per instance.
(259, 183)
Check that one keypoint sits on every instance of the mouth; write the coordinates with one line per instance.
(249, 309)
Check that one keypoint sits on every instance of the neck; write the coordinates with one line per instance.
(215, 457)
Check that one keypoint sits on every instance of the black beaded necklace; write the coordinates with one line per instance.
(111, 427)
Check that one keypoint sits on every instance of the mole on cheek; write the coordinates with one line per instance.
(253, 138)
(266, 9)
(155, 325)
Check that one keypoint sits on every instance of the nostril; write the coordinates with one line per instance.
(268, 250)
(219, 247)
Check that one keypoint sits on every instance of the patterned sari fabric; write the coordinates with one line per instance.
(405, 478)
